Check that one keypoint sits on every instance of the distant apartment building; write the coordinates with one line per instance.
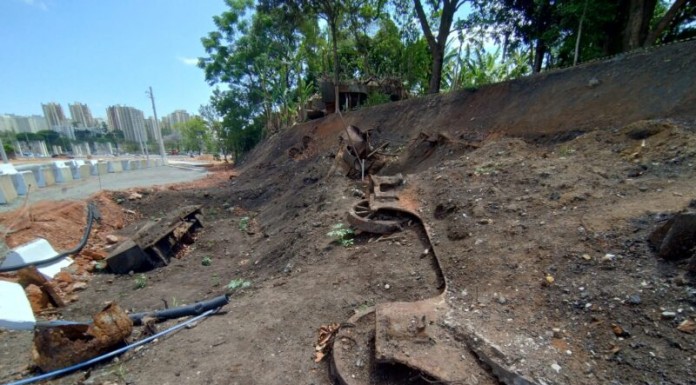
(129, 120)
(81, 115)
(17, 123)
(177, 117)
(53, 112)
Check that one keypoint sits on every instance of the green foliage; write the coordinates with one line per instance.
(244, 224)
(376, 98)
(237, 284)
(140, 281)
(195, 135)
(206, 261)
(341, 234)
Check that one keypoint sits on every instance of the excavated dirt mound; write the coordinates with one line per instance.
(540, 195)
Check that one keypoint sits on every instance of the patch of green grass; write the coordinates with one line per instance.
(566, 151)
(206, 261)
(237, 284)
(487, 169)
(244, 224)
(141, 281)
(341, 234)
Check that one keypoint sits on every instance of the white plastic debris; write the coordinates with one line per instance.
(15, 310)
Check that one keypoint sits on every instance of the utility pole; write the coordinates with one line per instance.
(158, 133)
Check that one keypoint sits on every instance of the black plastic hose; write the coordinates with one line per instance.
(182, 311)
(92, 214)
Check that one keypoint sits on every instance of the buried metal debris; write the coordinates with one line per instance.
(62, 346)
(153, 243)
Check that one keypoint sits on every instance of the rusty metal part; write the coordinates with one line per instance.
(360, 217)
(62, 346)
(153, 244)
(351, 346)
(410, 333)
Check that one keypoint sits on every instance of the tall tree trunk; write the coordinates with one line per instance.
(334, 31)
(437, 46)
(436, 74)
(539, 52)
(664, 22)
(639, 14)
(577, 41)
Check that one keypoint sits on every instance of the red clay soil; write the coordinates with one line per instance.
(540, 194)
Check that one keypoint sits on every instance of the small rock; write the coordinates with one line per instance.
(387, 286)
(77, 286)
(502, 300)
(586, 257)
(485, 221)
(608, 257)
(556, 367)
(134, 196)
(557, 333)
(111, 239)
(634, 299)
(667, 315)
(593, 82)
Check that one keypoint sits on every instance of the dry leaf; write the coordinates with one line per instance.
(325, 336)
(687, 326)
(619, 331)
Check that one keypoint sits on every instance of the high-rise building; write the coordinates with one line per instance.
(129, 120)
(17, 123)
(80, 113)
(177, 117)
(53, 112)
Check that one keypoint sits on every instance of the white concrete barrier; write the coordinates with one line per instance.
(36, 251)
(143, 164)
(62, 172)
(98, 168)
(7, 168)
(15, 309)
(7, 189)
(48, 176)
(158, 162)
(84, 171)
(125, 165)
(114, 166)
(134, 165)
(24, 182)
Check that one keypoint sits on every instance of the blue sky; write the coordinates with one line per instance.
(103, 52)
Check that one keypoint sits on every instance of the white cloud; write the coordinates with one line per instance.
(189, 61)
(36, 3)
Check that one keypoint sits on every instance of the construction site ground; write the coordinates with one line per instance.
(539, 195)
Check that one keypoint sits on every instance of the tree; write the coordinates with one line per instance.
(195, 135)
(446, 10)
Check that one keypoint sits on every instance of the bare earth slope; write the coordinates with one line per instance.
(536, 178)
